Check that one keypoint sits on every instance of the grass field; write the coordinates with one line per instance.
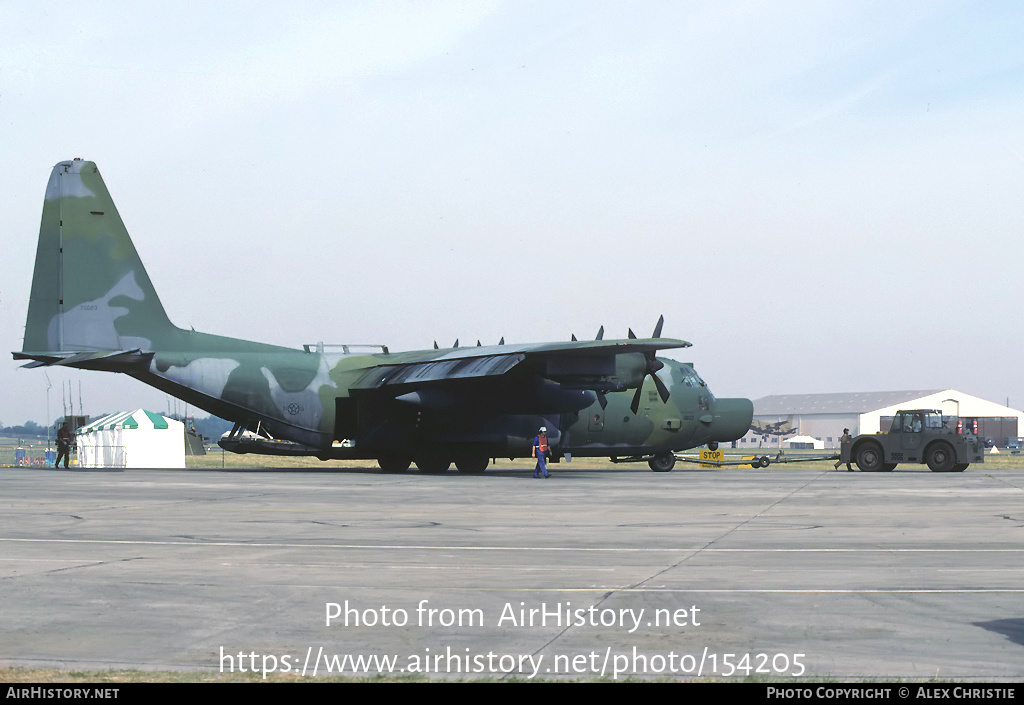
(220, 459)
(217, 458)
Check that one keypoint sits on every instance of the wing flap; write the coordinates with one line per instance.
(418, 373)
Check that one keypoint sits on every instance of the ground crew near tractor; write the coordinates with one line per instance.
(844, 441)
(540, 451)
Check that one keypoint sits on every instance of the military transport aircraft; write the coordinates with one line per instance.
(93, 307)
(779, 428)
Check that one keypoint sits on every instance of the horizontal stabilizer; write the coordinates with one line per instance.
(103, 360)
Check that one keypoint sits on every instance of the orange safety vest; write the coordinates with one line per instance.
(542, 443)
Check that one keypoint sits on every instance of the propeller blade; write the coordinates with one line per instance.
(602, 399)
(574, 337)
(478, 342)
(456, 343)
(653, 365)
(662, 389)
(435, 345)
(600, 334)
(657, 328)
(632, 335)
(502, 341)
(635, 404)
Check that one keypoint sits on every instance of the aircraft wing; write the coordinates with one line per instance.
(599, 365)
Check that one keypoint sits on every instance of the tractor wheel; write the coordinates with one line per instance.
(940, 457)
(869, 457)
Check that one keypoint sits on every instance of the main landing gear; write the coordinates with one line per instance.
(434, 460)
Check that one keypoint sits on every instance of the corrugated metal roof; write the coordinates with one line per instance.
(844, 403)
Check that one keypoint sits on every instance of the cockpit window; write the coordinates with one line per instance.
(912, 423)
(690, 379)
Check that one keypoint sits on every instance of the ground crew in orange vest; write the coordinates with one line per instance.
(540, 451)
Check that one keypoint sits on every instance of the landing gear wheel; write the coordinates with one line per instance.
(662, 462)
(433, 461)
(471, 461)
(869, 457)
(712, 445)
(394, 463)
(940, 457)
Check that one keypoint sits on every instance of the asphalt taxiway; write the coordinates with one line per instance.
(614, 573)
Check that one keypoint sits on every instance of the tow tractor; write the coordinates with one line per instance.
(916, 436)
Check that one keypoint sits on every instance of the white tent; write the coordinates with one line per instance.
(803, 442)
(132, 439)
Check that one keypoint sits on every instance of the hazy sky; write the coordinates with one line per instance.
(820, 196)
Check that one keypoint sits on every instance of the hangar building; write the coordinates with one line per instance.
(824, 416)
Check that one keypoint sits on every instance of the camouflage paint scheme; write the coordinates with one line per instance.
(93, 306)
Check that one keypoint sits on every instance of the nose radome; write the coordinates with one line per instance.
(732, 419)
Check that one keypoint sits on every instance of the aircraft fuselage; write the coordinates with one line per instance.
(94, 307)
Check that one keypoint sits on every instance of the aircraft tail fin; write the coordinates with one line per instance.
(92, 303)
